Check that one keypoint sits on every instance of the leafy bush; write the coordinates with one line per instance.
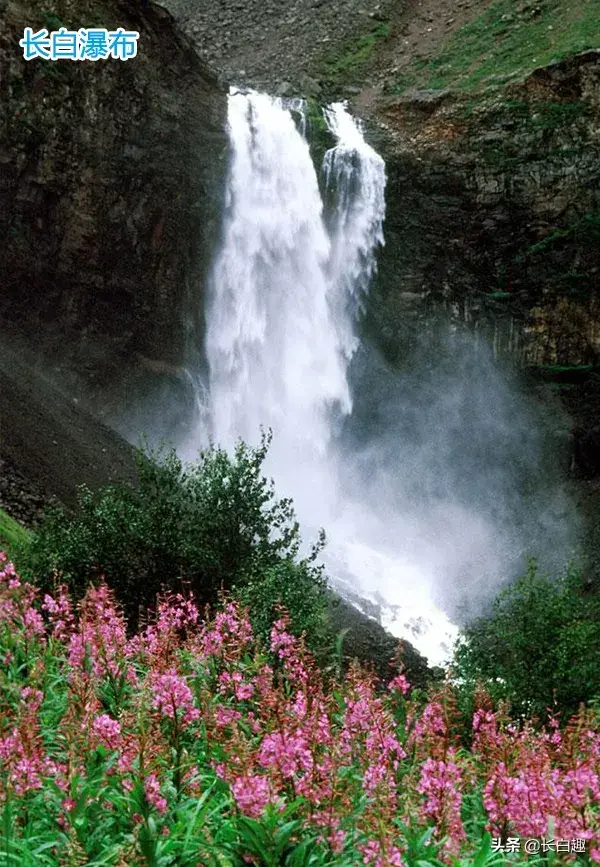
(209, 525)
(540, 645)
(301, 588)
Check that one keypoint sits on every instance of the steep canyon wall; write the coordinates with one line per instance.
(493, 215)
(110, 186)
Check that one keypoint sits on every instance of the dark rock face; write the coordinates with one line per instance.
(110, 184)
(20, 497)
(586, 452)
(493, 216)
(49, 443)
(369, 643)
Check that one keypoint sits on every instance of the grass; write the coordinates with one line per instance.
(346, 65)
(504, 41)
(12, 534)
(549, 115)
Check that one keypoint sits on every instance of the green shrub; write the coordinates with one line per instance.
(539, 647)
(209, 525)
(301, 588)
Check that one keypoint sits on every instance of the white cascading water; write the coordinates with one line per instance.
(281, 309)
(272, 340)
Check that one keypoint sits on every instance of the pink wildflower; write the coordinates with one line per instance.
(441, 783)
(230, 633)
(337, 841)
(33, 622)
(60, 611)
(152, 793)
(174, 699)
(26, 775)
(252, 794)
(235, 682)
(33, 698)
(374, 853)
(399, 683)
(107, 730)
(289, 752)
(224, 716)
(101, 635)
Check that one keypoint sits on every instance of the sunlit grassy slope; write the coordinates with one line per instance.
(507, 40)
(12, 534)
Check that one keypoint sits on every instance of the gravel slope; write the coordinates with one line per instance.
(267, 43)
(287, 46)
(49, 444)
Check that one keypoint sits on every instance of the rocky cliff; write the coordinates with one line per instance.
(112, 172)
(110, 186)
(493, 214)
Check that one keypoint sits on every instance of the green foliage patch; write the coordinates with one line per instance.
(319, 136)
(209, 526)
(300, 588)
(539, 647)
(347, 65)
(584, 231)
(505, 41)
(12, 534)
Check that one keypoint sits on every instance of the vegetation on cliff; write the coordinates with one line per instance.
(505, 41)
(13, 536)
(347, 64)
(209, 526)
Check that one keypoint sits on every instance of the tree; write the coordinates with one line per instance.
(210, 525)
(539, 646)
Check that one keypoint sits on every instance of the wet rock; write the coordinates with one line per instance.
(20, 497)
(492, 207)
(585, 462)
(369, 643)
(309, 87)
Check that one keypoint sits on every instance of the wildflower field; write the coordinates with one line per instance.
(190, 743)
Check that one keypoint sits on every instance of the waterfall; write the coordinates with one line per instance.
(281, 308)
(277, 354)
